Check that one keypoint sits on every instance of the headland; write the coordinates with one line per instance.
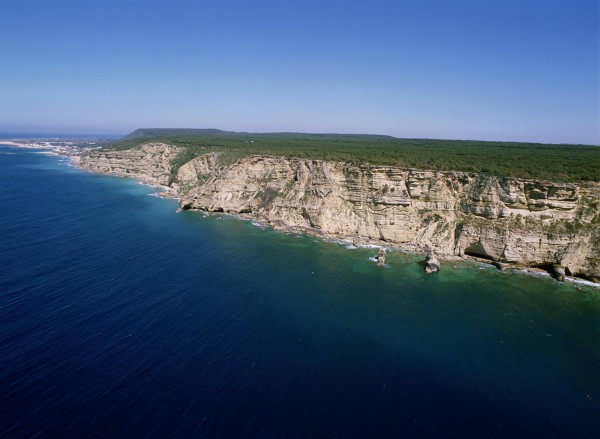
(512, 222)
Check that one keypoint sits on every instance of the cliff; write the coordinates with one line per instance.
(150, 163)
(509, 220)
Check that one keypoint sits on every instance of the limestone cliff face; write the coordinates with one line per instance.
(503, 219)
(150, 163)
(196, 171)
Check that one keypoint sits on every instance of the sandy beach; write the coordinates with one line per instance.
(48, 149)
(18, 144)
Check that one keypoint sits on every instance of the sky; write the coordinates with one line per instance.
(481, 70)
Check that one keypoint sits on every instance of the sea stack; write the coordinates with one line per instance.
(432, 265)
(380, 258)
(558, 272)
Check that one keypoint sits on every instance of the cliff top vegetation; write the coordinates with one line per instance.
(554, 162)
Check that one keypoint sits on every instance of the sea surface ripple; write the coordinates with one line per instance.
(121, 318)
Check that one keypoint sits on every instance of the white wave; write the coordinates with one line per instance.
(588, 283)
(370, 246)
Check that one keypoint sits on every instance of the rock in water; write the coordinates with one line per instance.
(380, 258)
(558, 273)
(460, 213)
(432, 265)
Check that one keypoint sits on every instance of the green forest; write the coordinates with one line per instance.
(554, 162)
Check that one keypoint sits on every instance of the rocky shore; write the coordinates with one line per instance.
(512, 222)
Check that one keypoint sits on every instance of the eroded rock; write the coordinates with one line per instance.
(501, 219)
(558, 272)
(380, 258)
(432, 264)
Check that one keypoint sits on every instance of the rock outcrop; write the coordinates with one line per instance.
(503, 219)
(558, 272)
(432, 265)
(381, 257)
(196, 171)
(150, 163)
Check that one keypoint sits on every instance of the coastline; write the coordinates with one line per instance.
(449, 260)
(290, 279)
(15, 144)
(47, 149)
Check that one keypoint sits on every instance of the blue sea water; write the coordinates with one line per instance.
(121, 318)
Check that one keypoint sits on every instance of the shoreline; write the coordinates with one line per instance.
(169, 192)
(57, 150)
(353, 243)
(15, 144)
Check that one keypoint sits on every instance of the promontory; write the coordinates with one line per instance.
(516, 204)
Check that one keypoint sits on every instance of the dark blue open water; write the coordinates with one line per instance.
(120, 317)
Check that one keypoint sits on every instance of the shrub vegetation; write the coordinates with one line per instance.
(555, 162)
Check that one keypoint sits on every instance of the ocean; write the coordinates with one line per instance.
(121, 318)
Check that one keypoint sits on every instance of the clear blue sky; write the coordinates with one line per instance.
(489, 70)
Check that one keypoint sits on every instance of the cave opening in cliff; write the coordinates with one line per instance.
(477, 250)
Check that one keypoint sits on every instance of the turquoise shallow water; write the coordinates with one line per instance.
(120, 317)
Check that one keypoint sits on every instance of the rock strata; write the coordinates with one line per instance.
(150, 163)
(508, 220)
